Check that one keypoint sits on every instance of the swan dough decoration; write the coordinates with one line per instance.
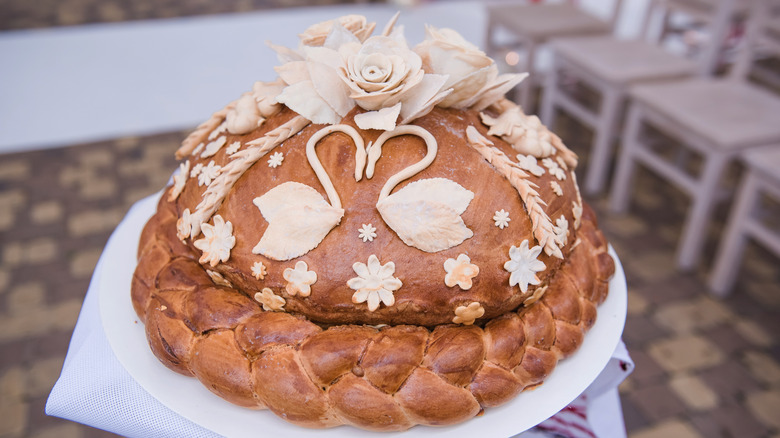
(298, 216)
(425, 214)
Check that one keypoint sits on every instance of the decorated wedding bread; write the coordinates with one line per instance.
(377, 238)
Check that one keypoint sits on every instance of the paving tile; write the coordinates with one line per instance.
(46, 212)
(666, 289)
(14, 170)
(84, 262)
(5, 279)
(729, 379)
(754, 334)
(765, 292)
(43, 374)
(729, 420)
(65, 430)
(651, 265)
(632, 416)
(640, 329)
(94, 221)
(694, 392)
(625, 225)
(685, 353)
(696, 314)
(763, 367)
(669, 429)
(637, 304)
(647, 370)
(728, 340)
(657, 402)
(25, 298)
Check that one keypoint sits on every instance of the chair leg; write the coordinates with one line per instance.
(550, 92)
(624, 173)
(526, 87)
(726, 266)
(695, 227)
(602, 146)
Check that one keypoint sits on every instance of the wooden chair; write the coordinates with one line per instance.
(747, 218)
(533, 25)
(610, 67)
(714, 118)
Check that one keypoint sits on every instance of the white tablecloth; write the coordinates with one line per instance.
(95, 389)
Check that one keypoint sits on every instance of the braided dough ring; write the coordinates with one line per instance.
(383, 379)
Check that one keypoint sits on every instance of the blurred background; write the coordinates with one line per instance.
(672, 105)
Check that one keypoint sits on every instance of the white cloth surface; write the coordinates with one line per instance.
(95, 389)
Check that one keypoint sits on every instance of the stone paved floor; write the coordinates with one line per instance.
(705, 367)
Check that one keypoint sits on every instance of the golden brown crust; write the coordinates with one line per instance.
(424, 299)
(373, 378)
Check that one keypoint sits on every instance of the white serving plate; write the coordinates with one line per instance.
(189, 398)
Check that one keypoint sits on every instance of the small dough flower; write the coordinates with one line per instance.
(179, 180)
(460, 271)
(270, 301)
(367, 233)
(299, 280)
(556, 188)
(196, 169)
(374, 284)
(523, 265)
(218, 130)
(276, 160)
(217, 241)
(209, 173)
(555, 170)
(466, 315)
(502, 219)
(233, 148)
(530, 163)
(259, 271)
(536, 296)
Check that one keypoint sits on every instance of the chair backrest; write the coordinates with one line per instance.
(762, 33)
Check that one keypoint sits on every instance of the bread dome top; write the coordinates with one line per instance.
(377, 184)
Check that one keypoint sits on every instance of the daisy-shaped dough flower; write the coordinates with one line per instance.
(270, 301)
(460, 271)
(179, 180)
(196, 169)
(502, 219)
(217, 241)
(367, 232)
(466, 315)
(183, 225)
(530, 163)
(218, 279)
(299, 280)
(556, 188)
(209, 173)
(561, 230)
(554, 169)
(276, 160)
(233, 148)
(259, 271)
(523, 265)
(374, 284)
